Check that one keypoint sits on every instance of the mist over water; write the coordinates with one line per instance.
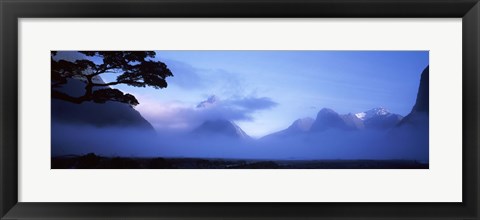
(398, 143)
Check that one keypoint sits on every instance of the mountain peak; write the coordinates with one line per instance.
(422, 102)
(379, 111)
(221, 127)
(327, 118)
(327, 111)
(302, 124)
(420, 111)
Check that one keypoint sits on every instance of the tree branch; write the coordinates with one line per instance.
(104, 70)
(63, 96)
(114, 83)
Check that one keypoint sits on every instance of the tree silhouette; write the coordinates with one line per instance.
(134, 68)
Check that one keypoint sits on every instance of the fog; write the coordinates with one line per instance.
(397, 143)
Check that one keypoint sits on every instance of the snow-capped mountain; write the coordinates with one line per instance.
(220, 128)
(372, 113)
(378, 118)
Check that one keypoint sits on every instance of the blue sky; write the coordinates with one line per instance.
(265, 91)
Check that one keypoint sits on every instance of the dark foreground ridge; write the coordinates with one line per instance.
(92, 161)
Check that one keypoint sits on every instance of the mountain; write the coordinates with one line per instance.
(383, 122)
(353, 122)
(412, 133)
(329, 119)
(299, 126)
(217, 127)
(420, 111)
(376, 118)
(109, 114)
(220, 128)
(372, 113)
(379, 118)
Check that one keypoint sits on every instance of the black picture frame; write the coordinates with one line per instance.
(12, 10)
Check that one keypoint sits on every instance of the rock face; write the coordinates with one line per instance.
(220, 128)
(422, 103)
(420, 111)
(412, 132)
(109, 114)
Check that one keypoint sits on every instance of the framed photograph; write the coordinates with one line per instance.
(239, 109)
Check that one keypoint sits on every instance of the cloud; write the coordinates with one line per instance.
(254, 103)
(218, 81)
(181, 117)
(184, 75)
(212, 100)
